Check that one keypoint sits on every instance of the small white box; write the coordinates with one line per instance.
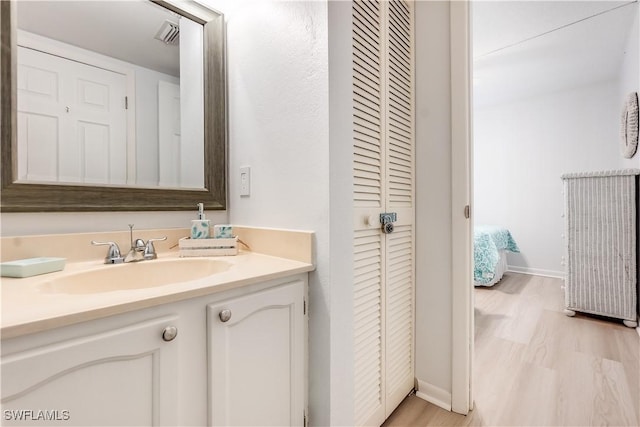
(31, 266)
(207, 247)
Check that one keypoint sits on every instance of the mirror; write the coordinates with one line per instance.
(91, 123)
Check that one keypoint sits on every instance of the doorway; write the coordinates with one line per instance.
(548, 82)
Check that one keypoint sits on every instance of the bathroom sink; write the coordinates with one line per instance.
(135, 275)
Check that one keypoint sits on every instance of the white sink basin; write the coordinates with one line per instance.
(135, 275)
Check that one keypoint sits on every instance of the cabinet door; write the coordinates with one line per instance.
(257, 358)
(123, 377)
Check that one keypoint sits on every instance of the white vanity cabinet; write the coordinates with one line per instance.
(125, 369)
(256, 346)
(122, 376)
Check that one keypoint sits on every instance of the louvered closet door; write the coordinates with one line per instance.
(383, 182)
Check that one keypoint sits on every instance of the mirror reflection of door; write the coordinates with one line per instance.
(71, 121)
(169, 134)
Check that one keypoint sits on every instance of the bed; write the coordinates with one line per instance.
(490, 244)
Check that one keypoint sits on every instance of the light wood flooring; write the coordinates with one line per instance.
(534, 366)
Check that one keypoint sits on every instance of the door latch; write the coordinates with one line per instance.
(387, 219)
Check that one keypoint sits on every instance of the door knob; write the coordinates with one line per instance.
(225, 315)
(371, 220)
(169, 333)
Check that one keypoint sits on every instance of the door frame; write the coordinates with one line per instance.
(461, 191)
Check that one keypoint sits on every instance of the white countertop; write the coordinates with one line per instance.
(28, 307)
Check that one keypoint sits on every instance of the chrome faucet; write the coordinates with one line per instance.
(139, 250)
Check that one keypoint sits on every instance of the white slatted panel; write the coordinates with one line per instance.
(399, 144)
(399, 315)
(367, 104)
(368, 299)
(368, 199)
(400, 140)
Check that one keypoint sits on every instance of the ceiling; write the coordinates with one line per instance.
(521, 48)
(121, 29)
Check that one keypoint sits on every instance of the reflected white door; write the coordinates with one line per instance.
(71, 121)
(169, 135)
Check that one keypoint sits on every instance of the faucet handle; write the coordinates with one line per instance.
(138, 244)
(113, 253)
(150, 250)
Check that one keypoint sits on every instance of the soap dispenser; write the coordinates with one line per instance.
(200, 227)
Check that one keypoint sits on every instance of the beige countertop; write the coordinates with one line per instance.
(30, 305)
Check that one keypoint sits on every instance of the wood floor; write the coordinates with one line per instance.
(534, 366)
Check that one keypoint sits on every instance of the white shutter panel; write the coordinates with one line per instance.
(399, 317)
(367, 104)
(399, 138)
(399, 257)
(368, 199)
(368, 354)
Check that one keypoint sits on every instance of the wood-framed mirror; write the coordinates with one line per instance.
(20, 195)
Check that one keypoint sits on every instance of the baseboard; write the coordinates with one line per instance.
(638, 330)
(536, 271)
(433, 394)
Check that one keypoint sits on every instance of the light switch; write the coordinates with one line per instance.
(245, 181)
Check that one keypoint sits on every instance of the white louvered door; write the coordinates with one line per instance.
(383, 96)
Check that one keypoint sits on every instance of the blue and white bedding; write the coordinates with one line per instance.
(489, 244)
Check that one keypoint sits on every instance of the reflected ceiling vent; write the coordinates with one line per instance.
(169, 33)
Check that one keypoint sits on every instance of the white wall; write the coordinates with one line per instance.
(630, 77)
(521, 150)
(433, 199)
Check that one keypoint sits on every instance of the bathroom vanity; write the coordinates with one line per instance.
(228, 348)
